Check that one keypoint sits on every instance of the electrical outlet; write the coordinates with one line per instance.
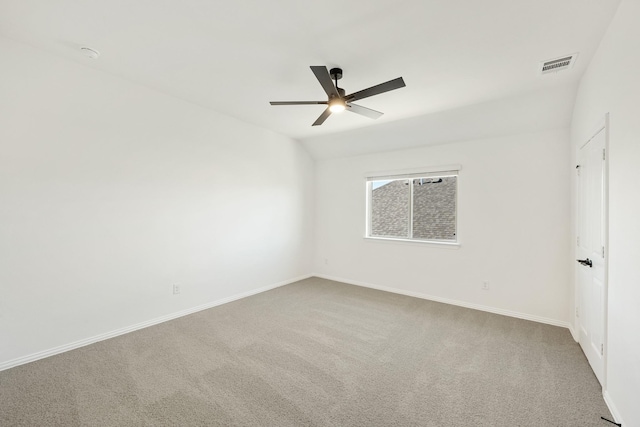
(485, 285)
(176, 289)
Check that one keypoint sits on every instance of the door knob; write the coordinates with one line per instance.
(586, 262)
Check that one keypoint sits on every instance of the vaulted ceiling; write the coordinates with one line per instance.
(235, 57)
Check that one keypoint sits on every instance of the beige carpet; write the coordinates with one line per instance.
(315, 353)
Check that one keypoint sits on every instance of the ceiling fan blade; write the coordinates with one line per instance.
(376, 90)
(326, 113)
(322, 74)
(364, 111)
(298, 102)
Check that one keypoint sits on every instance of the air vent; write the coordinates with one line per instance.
(558, 64)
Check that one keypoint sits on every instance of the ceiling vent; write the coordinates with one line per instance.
(558, 64)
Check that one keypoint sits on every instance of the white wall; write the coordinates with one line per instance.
(612, 84)
(514, 225)
(111, 192)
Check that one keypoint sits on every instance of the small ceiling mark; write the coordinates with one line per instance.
(91, 53)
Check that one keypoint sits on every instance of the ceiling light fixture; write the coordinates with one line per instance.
(337, 105)
(338, 100)
(91, 53)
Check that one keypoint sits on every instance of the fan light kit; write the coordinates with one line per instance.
(338, 101)
(337, 105)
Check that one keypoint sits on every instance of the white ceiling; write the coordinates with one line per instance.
(236, 56)
(537, 111)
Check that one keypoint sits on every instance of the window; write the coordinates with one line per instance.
(420, 207)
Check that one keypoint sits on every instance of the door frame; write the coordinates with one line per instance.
(603, 126)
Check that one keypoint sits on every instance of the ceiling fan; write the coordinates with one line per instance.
(338, 101)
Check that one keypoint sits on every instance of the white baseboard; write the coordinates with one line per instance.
(101, 337)
(465, 304)
(574, 332)
(612, 408)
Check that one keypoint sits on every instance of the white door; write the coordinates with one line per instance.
(590, 265)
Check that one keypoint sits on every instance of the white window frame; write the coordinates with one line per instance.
(410, 174)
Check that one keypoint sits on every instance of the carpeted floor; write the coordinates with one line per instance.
(315, 353)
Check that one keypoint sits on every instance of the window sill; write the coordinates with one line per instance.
(434, 243)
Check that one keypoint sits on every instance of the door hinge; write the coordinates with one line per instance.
(603, 252)
(577, 314)
(601, 349)
(578, 240)
(603, 155)
(578, 169)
